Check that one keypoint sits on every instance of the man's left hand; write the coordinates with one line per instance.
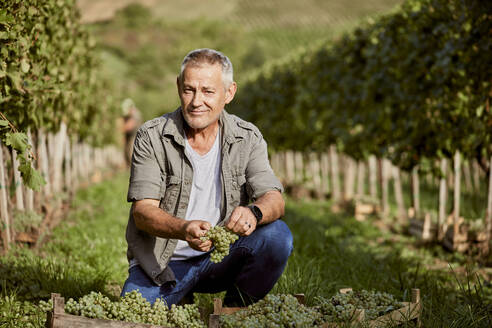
(242, 221)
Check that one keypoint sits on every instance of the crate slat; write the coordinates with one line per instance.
(409, 312)
(74, 321)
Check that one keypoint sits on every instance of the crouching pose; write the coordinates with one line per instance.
(192, 169)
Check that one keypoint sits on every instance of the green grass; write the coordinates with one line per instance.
(331, 251)
(86, 252)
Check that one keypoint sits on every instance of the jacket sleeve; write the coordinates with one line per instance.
(145, 176)
(259, 173)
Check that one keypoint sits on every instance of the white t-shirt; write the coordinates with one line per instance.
(206, 193)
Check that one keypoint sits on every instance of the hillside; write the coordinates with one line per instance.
(143, 42)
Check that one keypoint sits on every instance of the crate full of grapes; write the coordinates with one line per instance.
(131, 311)
(346, 308)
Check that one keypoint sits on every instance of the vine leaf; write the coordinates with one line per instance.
(30, 176)
(17, 140)
(4, 123)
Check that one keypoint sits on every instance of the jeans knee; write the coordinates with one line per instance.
(277, 241)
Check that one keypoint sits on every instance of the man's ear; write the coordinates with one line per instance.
(177, 83)
(230, 92)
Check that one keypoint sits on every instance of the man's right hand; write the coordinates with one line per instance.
(150, 218)
(195, 229)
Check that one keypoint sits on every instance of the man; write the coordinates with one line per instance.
(195, 168)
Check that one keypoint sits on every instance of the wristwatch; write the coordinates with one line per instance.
(256, 212)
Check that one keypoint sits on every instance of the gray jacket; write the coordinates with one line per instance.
(161, 170)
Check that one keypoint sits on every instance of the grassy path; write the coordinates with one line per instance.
(87, 252)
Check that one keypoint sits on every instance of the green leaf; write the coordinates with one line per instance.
(5, 18)
(4, 123)
(31, 177)
(16, 81)
(17, 140)
(480, 110)
(25, 65)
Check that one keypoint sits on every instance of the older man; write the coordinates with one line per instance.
(191, 170)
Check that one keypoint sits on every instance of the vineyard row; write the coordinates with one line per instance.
(65, 165)
(345, 180)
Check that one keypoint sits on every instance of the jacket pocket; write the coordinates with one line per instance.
(239, 194)
(170, 189)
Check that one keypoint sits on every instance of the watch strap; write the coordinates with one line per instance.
(256, 212)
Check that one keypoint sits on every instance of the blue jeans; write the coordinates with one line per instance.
(248, 273)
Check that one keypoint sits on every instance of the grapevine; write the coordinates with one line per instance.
(132, 308)
(403, 86)
(50, 73)
(20, 143)
(222, 239)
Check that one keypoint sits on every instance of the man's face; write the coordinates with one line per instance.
(203, 94)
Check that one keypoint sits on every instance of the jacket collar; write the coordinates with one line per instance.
(174, 127)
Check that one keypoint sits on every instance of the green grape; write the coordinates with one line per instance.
(341, 307)
(132, 307)
(273, 311)
(221, 239)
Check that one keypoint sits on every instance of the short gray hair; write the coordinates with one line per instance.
(210, 56)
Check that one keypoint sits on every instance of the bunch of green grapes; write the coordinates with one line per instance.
(278, 310)
(341, 307)
(222, 239)
(185, 316)
(132, 307)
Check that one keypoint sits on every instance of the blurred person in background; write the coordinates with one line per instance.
(131, 122)
(195, 168)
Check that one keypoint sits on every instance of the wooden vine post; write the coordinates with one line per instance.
(457, 192)
(19, 196)
(325, 172)
(402, 213)
(29, 192)
(416, 191)
(57, 153)
(3, 203)
(290, 174)
(350, 170)
(299, 167)
(385, 172)
(360, 179)
(335, 188)
(315, 168)
(75, 165)
(44, 163)
(373, 177)
(443, 192)
(68, 167)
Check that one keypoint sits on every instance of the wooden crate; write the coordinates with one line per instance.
(59, 319)
(424, 229)
(410, 311)
(465, 240)
(363, 210)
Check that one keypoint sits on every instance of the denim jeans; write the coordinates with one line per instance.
(248, 273)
